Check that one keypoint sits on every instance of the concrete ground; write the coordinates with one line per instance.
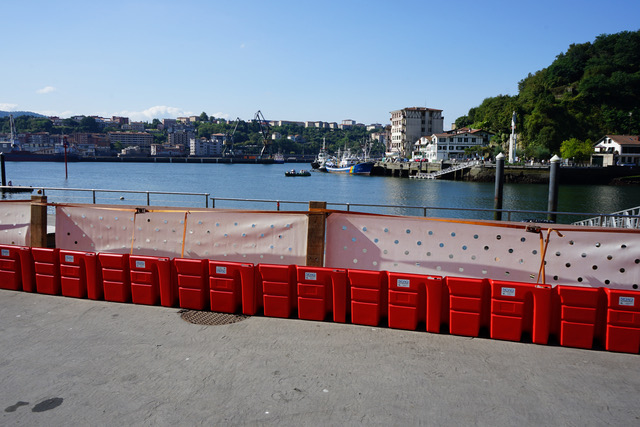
(66, 362)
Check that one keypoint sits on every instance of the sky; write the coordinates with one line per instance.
(291, 59)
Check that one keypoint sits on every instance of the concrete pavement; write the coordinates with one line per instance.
(65, 361)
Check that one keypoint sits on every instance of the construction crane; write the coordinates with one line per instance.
(228, 141)
(264, 130)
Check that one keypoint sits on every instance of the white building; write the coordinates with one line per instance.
(202, 147)
(618, 150)
(450, 145)
(410, 124)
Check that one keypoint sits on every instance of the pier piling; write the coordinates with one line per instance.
(497, 200)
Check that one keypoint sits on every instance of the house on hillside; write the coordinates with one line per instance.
(450, 145)
(617, 150)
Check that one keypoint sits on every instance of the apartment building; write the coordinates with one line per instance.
(410, 124)
(140, 139)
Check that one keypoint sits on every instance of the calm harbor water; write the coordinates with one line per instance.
(267, 182)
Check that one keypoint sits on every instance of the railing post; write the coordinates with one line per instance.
(206, 200)
(316, 234)
(38, 229)
(148, 199)
(94, 196)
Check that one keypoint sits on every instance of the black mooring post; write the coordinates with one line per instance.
(2, 171)
(552, 206)
(497, 200)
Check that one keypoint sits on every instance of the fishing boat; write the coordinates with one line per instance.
(321, 159)
(350, 163)
(278, 158)
(301, 172)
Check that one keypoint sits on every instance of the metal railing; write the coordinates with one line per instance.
(631, 216)
(628, 218)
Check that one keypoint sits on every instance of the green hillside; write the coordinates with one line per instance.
(591, 90)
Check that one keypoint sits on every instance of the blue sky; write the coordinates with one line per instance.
(293, 60)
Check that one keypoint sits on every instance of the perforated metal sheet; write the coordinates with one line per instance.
(583, 257)
(15, 223)
(211, 318)
(242, 236)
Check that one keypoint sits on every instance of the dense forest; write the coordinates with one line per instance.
(589, 91)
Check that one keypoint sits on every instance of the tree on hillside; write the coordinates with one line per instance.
(577, 150)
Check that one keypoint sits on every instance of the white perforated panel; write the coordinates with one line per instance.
(242, 236)
(15, 223)
(583, 257)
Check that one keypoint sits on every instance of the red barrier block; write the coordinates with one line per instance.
(520, 307)
(369, 296)
(278, 287)
(47, 267)
(577, 315)
(226, 283)
(322, 291)
(469, 305)
(623, 321)
(414, 298)
(151, 281)
(114, 273)
(79, 274)
(16, 268)
(193, 280)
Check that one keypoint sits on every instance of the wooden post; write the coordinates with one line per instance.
(38, 221)
(315, 234)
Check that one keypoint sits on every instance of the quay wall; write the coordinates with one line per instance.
(613, 175)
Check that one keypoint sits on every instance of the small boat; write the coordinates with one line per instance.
(301, 172)
(278, 158)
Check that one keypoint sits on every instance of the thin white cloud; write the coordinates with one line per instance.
(46, 89)
(242, 46)
(157, 112)
(7, 107)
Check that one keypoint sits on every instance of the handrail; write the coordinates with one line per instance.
(348, 206)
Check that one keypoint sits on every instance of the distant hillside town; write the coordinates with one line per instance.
(415, 133)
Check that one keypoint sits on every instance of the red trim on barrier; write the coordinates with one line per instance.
(16, 268)
(368, 296)
(47, 267)
(226, 283)
(520, 307)
(278, 285)
(79, 275)
(415, 298)
(469, 305)
(623, 321)
(322, 291)
(192, 277)
(114, 275)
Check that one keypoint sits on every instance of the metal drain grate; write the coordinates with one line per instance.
(211, 318)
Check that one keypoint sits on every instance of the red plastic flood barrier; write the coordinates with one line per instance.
(151, 281)
(322, 291)
(47, 267)
(226, 283)
(577, 309)
(623, 321)
(16, 268)
(277, 285)
(520, 307)
(192, 276)
(114, 271)
(368, 295)
(79, 275)
(414, 298)
(469, 305)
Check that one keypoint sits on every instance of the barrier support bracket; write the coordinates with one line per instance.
(38, 221)
(316, 234)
